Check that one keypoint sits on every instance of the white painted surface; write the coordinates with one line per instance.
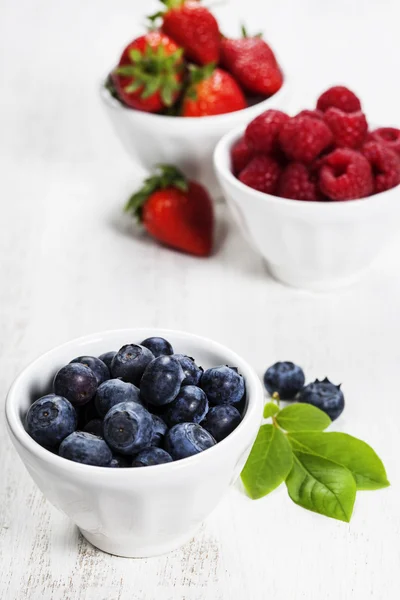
(71, 264)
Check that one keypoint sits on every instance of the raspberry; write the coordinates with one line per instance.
(316, 114)
(241, 155)
(303, 138)
(339, 97)
(389, 136)
(297, 182)
(346, 175)
(262, 174)
(385, 165)
(262, 133)
(349, 129)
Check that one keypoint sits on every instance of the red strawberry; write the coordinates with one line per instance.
(211, 92)
(346, 175)
(304, 138)
(262, 132)
(262, 174)
(339, 97)
(241, 155)
(385, 165)
(175, 211)
(194, 28)
(252, 62)
(298, 183)
(149, 74)
(389, 136)
(349, 129)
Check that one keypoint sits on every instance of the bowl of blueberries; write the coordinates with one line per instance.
(136, 434)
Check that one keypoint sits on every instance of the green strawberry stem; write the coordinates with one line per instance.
(246, 35)
(197, 75)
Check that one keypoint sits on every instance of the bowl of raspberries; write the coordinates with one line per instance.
(316, 193)
(180, 86)
(135, 434)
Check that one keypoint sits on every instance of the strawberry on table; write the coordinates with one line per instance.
(211, 91)
(149, 75)
(175, 211)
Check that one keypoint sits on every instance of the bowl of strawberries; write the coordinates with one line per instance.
(182, 85)
(316, 194)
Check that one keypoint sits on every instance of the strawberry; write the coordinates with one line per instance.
(175, 211)
(252, 62)
(193, 27)
(211, 92)
(150, 73)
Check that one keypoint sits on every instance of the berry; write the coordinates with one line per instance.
(119, 461)
(262, 174)
(187, 439)
(349, 129)
(191, 371)
(191, 405)
(86, 448)
(221, 421)
(130, 362)
(345, 175)
(107, 358)
(76, 382)
(159, 431)
(324, 395)
(162, 381)
(158, 346)
(339, 97)
(95, 426)
(98, 367)
(241, 155)
(223, 385)
(385, 165)
(50, 419)
(262, 132)
(128, 428)
(304, 138)
(150, 457)
(115, 391)
(389, 136)
(298, 183)
(284, 378)
(315, 114)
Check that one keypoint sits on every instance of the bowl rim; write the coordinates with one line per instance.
(221, 165)
(17, 429)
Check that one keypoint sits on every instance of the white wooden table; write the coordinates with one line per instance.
(71, 264)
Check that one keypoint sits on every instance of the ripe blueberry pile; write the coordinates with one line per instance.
(324, 154)
(140, 406)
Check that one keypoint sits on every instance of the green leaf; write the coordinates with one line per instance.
(303, 417)
(269, 462)
(322, 486)
(348, 451)
(270, 409)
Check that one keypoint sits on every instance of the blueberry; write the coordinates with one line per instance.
(76, 382)
(221, 421)
(99, 369)
(130, 363)
(86, 448)
(150, 457)
(128, 428)
(50, 419)
(94, 426)
(187, 439)
(159, 431)
(107, 358)
(112, 392)
(190, 405)
(324, 395)
(158, 346)
(87, 413)
(120, 462)
(161, 381)
(285, 379)
(192, 372)
(223, 385)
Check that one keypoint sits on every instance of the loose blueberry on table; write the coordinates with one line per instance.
(140, 406)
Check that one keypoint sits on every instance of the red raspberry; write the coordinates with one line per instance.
(241, 155)
(316, 114)
(385, 165)
(262, 133)
(262, 174)
(349, 129)
(298, 183)
(339, 97)
(389, 136)
(346, 175)
(303, 138)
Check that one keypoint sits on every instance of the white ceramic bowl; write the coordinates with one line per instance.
(187, 143)
(134, 512)
(312, 245)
